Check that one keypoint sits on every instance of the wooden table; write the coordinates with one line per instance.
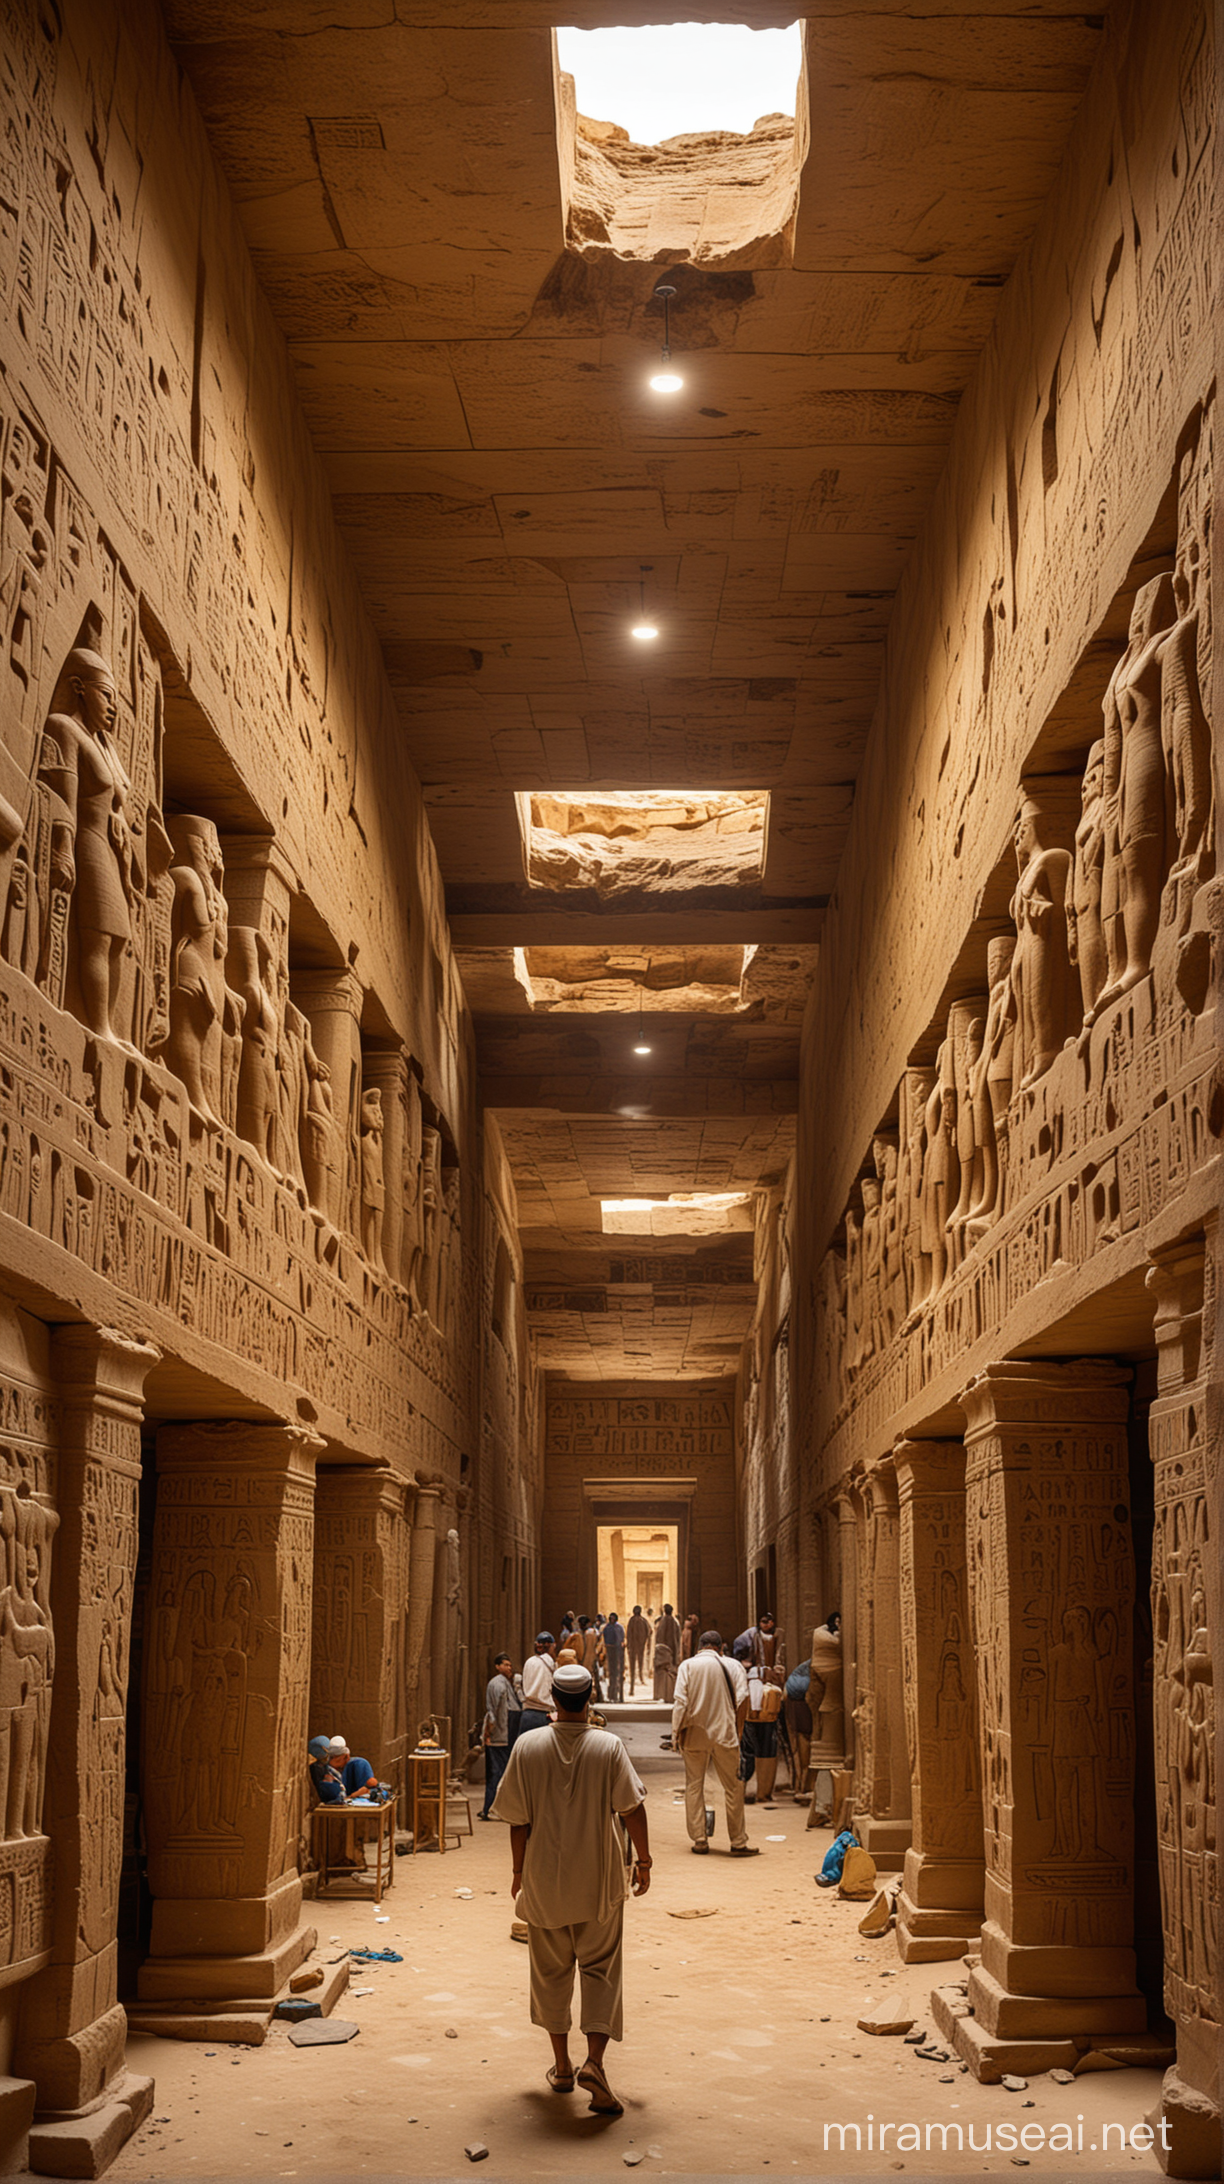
(324, 1822)
(427, 1777)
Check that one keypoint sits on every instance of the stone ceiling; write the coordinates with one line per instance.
(500, 471)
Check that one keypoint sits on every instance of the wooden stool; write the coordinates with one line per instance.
(427, 1782)
(460, 1798)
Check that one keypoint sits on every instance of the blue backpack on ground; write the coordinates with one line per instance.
(834, 1859)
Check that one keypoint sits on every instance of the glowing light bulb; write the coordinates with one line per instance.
(666, 382)
(642, 1050)
(644, 631)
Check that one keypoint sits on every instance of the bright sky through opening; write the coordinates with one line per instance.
(676, 79)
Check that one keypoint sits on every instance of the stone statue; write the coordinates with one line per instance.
(826, 1695)
(873, 1265)
(990, 1088)
(1136, 852)
(885, 1161)
(198, 943)
(250, 968)
(373, 1182)
(291, 1081)
(93, 872)
(431, 1221)
(27, 1662)
(966, 1024)
(1085, 931)
(1041, 966)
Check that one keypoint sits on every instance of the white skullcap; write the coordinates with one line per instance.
(338, 1744)
(573, 1678)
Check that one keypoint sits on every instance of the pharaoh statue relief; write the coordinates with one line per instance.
(1135, 851)
(1185, 730)
(322, 1150)
(1041, 966)
(966, 1024)
(916, 1089)
(199, 939)
(1085, 931)
(373, 1179)
(86, 865)
(941, 1166)
(990, 1088)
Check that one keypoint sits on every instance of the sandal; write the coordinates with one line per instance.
(603, 2099)
(561, 2081)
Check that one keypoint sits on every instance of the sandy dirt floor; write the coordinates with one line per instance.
(740, 2042)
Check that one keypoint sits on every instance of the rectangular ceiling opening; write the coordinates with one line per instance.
(682, 141)
(682, 1213)
(652, 841)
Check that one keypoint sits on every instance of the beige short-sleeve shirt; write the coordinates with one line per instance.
(566, 1783)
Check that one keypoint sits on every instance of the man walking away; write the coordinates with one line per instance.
(500, 1699)
(538, 1685)
(707, 1720)
(561, 1794)
(637, 1645)
(614, 1653)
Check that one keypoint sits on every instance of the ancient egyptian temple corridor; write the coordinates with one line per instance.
(611, 993)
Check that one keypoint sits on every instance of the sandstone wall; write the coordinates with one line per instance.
(241, 1175)
(1008, 1143)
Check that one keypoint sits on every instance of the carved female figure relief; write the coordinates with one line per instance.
(27, 1662)
(1041, 965)
(941, 1167)
(1085, 929)
(1136, 854)
(916, 1087)
(966, 1020)
(198, 943)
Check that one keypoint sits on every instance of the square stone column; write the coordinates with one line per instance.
(882, 1776)
(360, 1595)
(1186, 1636)
(1051, 1580)
(939, 1909)
(428, 1527)
(72, 2026)
(227, 1675)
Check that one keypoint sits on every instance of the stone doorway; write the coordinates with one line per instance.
(638, 1565)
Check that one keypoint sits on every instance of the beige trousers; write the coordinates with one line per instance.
(726, 1766)
(594, 1948)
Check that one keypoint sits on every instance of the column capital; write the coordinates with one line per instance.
(222, 1446)
(262, 854)
(329, 993)
(1042, 1396)
(928, 1467)
(388, 1068)
(90, 1361)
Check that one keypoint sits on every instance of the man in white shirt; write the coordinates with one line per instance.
(538, 1684)
(708, 1715)
(560, 1793)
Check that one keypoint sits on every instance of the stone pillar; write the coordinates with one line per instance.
(882, 1784)
(72, 2027)
(331, 1003)
(940, 1906)
(427, 1521)
(360, 1583)
(385, 1070)
(227, 1668)
(1051, 1577)
(1185, 1572)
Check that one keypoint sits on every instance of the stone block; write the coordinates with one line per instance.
(86, 2144)
(926, 1947)
(1192, 2128)
(17, 2096)
(945, 1884)
(228, 2028)
(238, 1978)
(1034, 2017)
(1046, 1970)
(887, 1840)
(227, 1926)
(991, 2058)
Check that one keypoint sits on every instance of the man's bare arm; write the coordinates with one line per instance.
(639, 1836)
(518, 1851)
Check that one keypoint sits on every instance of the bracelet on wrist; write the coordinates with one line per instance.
(643, 1861)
